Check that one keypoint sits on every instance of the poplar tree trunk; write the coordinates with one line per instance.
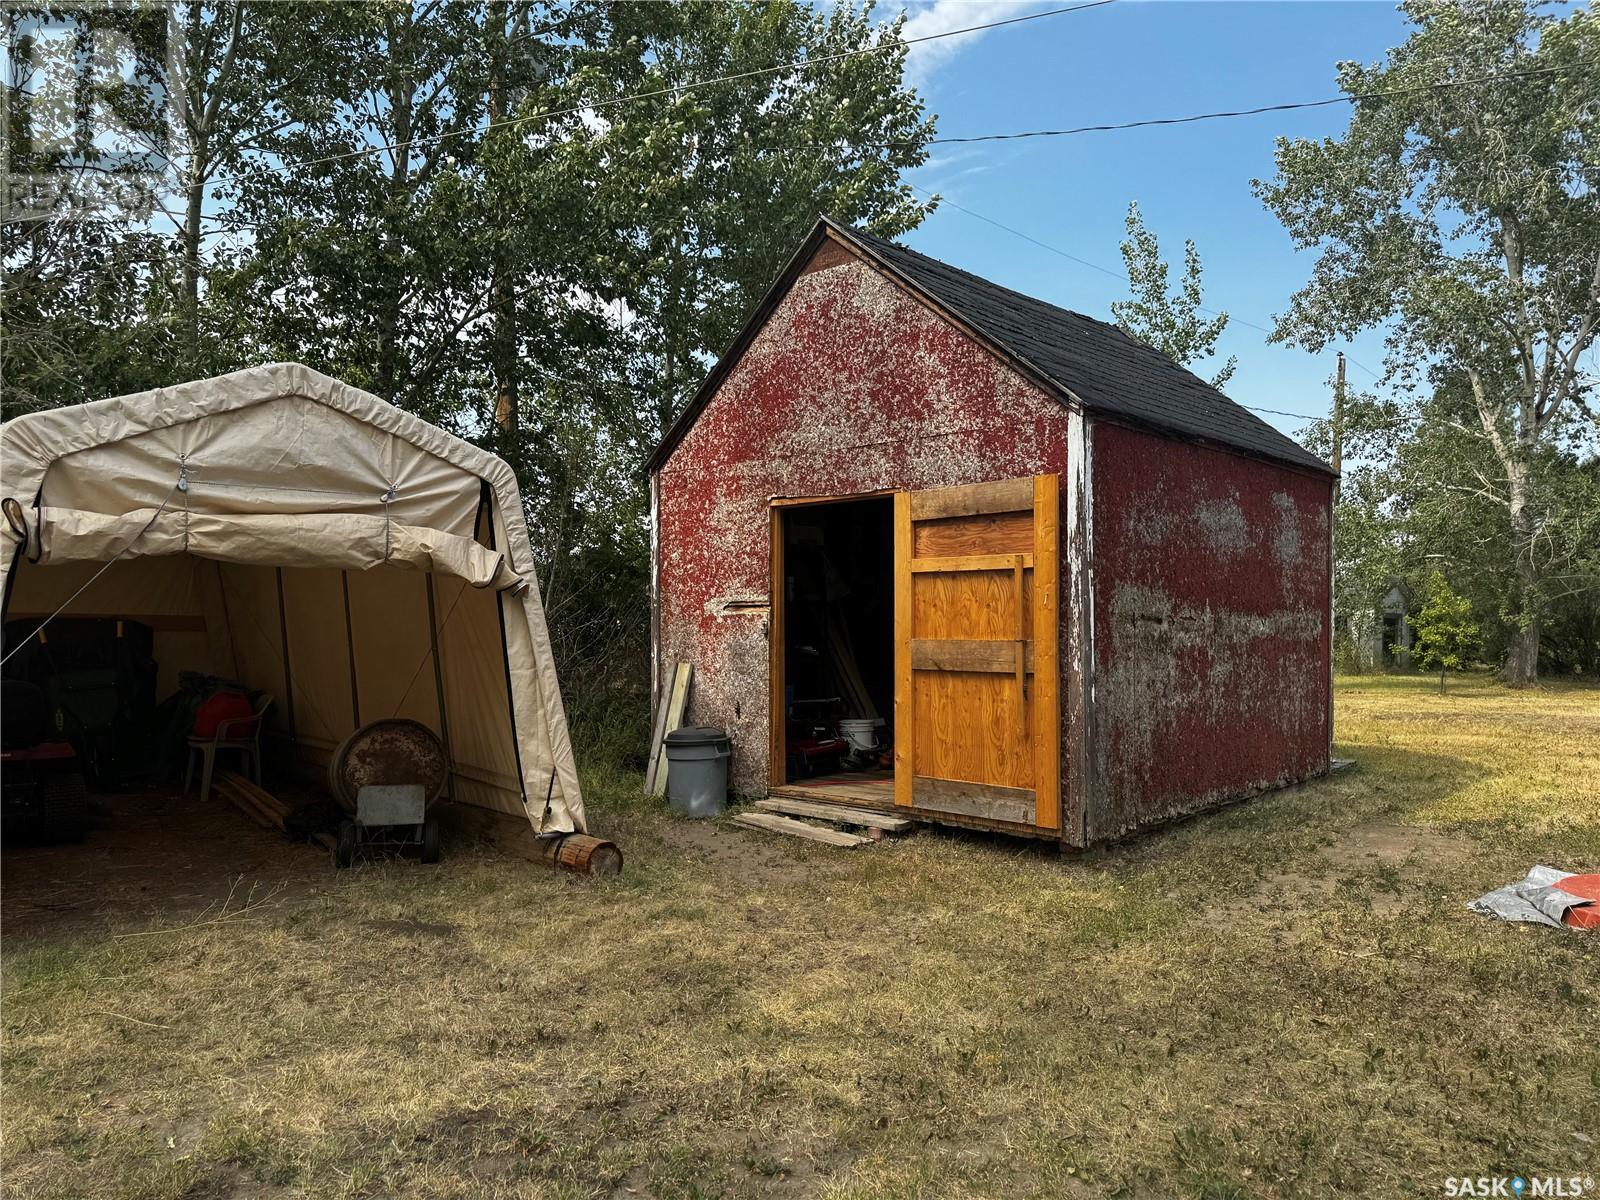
(402, 92)
(1522, 659)
(502, 297)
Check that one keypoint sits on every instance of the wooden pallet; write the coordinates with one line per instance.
(839, 814)
(772, 823)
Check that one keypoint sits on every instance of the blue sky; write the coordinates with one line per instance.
(1129, 61)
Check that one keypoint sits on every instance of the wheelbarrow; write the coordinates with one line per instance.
(387, 775)
(392, 817)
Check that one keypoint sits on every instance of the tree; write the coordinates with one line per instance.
(1401, 512)
(1461, 208)
(83, 129)
(1446, 634)
(532, 222)
(1168, 321)
(714, 187)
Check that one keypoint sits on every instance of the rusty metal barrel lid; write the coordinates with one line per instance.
(392, 751)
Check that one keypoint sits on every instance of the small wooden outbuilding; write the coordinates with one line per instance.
(1079, 590)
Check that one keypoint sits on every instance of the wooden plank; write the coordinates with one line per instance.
(967, 725)
(160, 622)
(773, 823)
(804, 501)
(838, 814)
(971, 562)
(658, 731)
(1046, 731)
(861, 795)
(777, 710)
(675, 706)
(973, 499)
(987, 800)
(968, 654)
(1002, 533)
(904, 730)
(848, 671)
(1019, 652)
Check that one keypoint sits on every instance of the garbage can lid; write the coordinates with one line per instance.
(697, 735)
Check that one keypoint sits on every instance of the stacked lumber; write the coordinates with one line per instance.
(778, 814)
(669, 719)
(861, 818)
(842, 658)
(262, 807)
(773, 823)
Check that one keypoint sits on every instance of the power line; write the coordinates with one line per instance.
(1350, 98)
(1084, 262)
(674, 90)
(1027, 237)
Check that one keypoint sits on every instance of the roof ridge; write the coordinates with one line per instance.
(1109, 326)
(1203, 405)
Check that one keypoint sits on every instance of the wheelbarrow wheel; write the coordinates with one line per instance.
(344, 850)
(430, 840)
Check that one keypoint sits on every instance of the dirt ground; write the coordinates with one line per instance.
(153, 858)
(1286, 998)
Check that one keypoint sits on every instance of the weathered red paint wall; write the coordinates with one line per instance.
(852, 386)
(1211, 619)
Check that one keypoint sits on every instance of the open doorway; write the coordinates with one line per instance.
(834, 687)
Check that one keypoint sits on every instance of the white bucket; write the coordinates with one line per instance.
(861, 734)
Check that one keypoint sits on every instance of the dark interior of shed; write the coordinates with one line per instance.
(838, 638)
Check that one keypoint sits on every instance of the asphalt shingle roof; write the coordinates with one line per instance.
(1103, 367)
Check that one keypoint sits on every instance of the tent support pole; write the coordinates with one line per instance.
(505, 651)
(288, 677)
(438, 689)
(350, 645)
(227, 620)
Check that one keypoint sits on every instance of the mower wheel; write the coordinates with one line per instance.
(63, 809)
(430, 840)
(344, 850)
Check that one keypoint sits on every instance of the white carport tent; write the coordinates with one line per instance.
(300, 535)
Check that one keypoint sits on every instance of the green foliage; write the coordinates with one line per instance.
(1415, 496)
(1446, 633)
(1466, 219)
(511, 217)
(1169, 321)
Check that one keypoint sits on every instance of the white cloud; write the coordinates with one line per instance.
(941, 16)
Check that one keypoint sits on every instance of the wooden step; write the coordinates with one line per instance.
(773, 823)
(839, 814)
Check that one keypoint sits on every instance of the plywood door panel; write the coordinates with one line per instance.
(976, 719)
(993, 533)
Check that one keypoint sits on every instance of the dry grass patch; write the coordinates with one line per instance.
(1286, 998)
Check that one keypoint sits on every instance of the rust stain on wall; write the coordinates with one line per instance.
(1211, 627)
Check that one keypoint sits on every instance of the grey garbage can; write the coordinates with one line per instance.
(697, 770)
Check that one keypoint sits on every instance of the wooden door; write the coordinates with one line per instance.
(977, 707)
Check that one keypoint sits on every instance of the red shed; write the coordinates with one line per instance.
(934, 545)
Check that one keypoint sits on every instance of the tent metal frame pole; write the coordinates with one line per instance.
(485, 508)
(227, 620)
(438, 688)
(288, 674)
(350, 645)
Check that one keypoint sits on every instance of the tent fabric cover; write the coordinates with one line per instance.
(389, 533)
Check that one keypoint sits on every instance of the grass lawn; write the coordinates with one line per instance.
(1285, 999)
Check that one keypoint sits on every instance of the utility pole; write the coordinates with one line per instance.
(1338, 426)
(1337, 463)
